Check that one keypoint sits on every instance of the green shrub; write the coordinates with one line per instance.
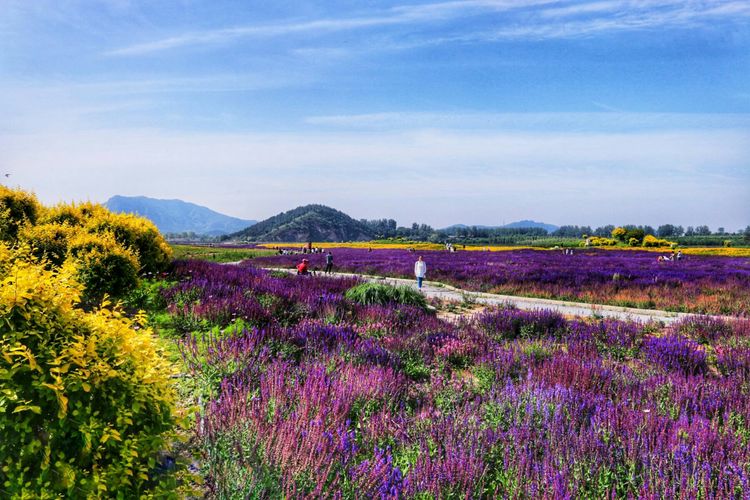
(381, 294)
(86, 402)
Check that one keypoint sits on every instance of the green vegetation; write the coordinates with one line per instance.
(218, 254)
(381, 294)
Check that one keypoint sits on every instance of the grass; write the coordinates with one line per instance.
(217, 254)
(378, 293)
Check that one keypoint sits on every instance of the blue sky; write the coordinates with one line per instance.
(476, 111)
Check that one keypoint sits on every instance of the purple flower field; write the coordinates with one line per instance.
(304, 394)
(698, 284)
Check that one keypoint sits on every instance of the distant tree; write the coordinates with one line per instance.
(649, 230)
(619, 233)
(720, 231)
(572, 231)
(666, 231)
(746, 234)
(383, 228)
(690, 231)
(679, 231)
(703, 231)
(604, 231)
(636, 234)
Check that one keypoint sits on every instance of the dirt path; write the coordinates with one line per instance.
(448, 293)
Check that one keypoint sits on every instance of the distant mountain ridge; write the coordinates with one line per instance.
(518, 224)
(306, 223)
(530, 223)
(177, 216)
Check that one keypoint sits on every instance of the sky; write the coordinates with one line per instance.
(440, 112)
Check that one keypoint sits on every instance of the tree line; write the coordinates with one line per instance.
(388, 228)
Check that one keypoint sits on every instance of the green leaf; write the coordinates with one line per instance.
(33, 408)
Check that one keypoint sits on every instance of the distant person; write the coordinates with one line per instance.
(679, 255)
(302, 267)
(420, 270)
(329, 262)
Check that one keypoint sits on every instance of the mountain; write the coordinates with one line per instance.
(530, 223)
(308, 223)
(513, 225)
(177, 216)
(466, 226)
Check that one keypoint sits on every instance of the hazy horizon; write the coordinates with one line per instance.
(475, 112)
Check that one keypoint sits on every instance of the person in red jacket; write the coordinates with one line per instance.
(302, 267)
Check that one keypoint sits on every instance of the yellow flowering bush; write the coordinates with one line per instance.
(73, 214)
(49, 241)
(619, 233)
(108, 250)
(103, 266)
(597, 241)
(86, 400)
(652, 241)
(137, 234)
(17, 209)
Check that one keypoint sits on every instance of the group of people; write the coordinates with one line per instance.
(303, 268)
(303, 251)
(674, 257)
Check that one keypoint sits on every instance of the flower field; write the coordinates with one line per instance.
(422, 246)
(304, 393)
(698, 283)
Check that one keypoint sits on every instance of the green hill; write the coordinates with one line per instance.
(307, 223)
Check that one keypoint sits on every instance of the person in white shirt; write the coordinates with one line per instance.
(420, 270)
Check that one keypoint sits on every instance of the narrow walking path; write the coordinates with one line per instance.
(446, 292)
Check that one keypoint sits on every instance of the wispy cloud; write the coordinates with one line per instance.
(610, 120)
(539, 19)
(399, 15)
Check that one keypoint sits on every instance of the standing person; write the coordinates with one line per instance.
(420, 270)
(329, 262)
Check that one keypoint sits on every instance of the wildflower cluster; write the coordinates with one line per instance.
(701, 284)
(352, 400)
